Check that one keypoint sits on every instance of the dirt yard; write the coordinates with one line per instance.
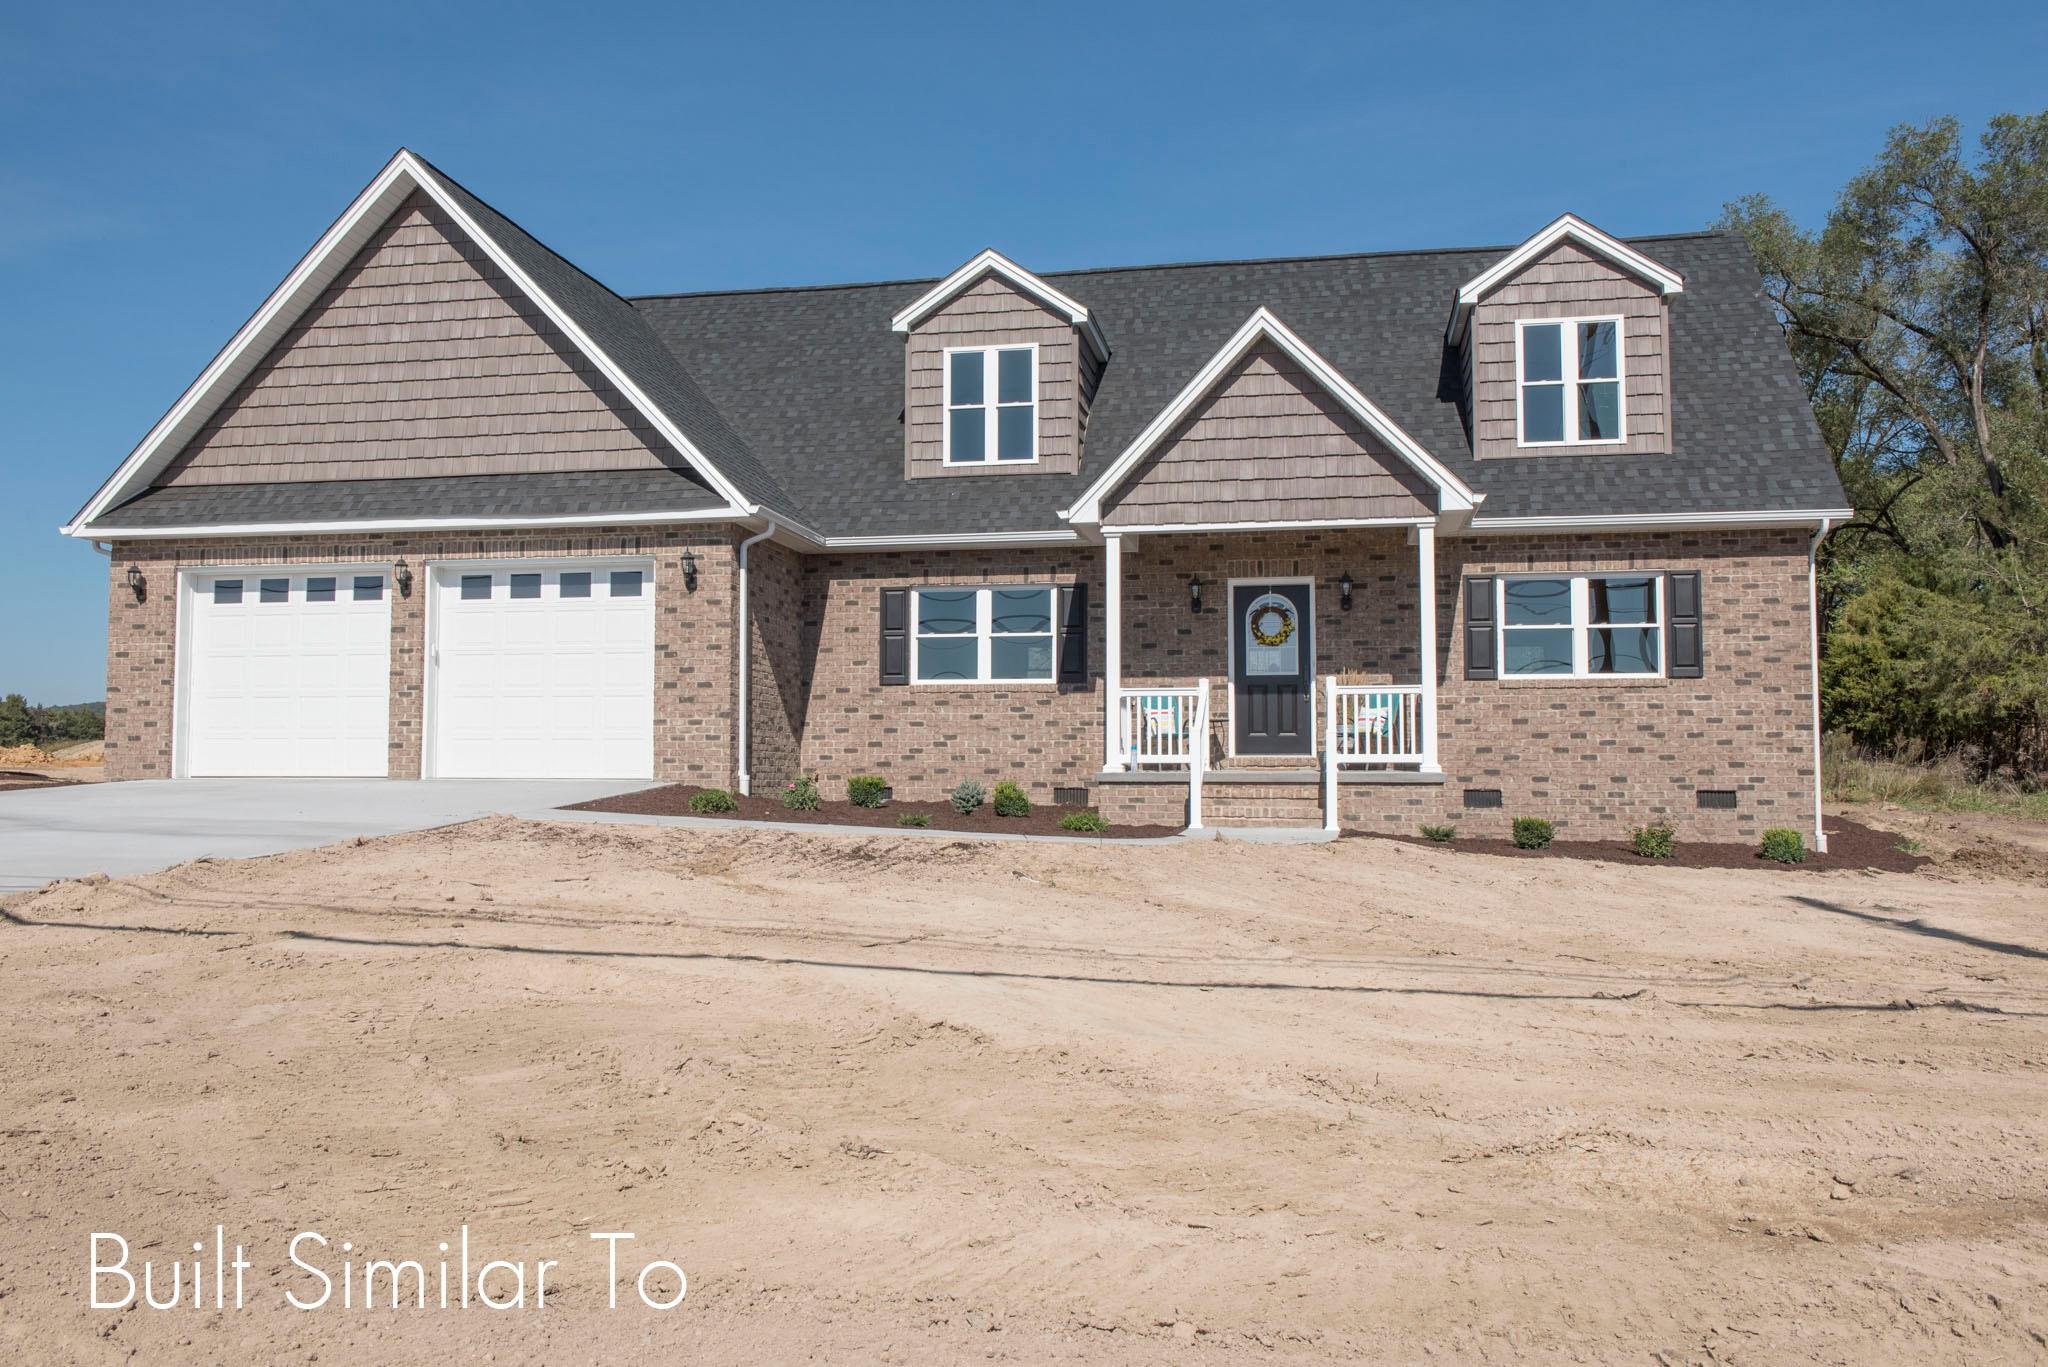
(898, 1099)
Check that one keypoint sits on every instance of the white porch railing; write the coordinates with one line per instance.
(1167, 728)
(1372, 724)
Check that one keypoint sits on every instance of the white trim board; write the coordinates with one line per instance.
(1563, 228)
(336, 247)
(1453, 494)
(1802, 517)
(987, 262)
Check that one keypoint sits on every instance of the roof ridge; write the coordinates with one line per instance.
(1208, 264)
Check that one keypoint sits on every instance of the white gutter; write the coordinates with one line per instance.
(746, 651)
(1820, 835)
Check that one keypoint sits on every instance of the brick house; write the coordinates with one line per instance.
(1367, 540)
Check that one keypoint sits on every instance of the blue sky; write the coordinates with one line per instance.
(164, 165)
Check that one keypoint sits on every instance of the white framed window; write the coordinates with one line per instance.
(991, 405)
(1568, 381)
(998, 634)
(1581, 625)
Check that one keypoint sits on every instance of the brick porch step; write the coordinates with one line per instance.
(1239, 805)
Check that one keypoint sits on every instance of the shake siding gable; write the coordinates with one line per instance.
(991, 313)
(1269, 445)
(1568, 282)
(420, 360)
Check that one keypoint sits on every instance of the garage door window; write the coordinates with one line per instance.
(526, 586)
(275, 591)
(625, 583)
(369, 588)
(576, 584)
(320, 590)
(476, 586)
(227, 591)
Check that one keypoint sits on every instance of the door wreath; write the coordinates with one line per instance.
(1272, 625)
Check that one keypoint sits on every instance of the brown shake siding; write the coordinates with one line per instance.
(1269, 445)
(991, 313)
(694, 678)
(420, 359)
(1567, 282)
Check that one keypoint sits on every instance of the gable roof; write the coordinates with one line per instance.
(813, 380)
(989, 262)
(1563, 228)
(788, 403)
(1453, 495)
(604, 327)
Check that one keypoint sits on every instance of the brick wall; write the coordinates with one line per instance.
(694, 634)
(775, 679)
(1600, 757)
(1595, 756)
(925, 738)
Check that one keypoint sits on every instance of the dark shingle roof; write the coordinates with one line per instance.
(623, 334)
(378, 500)
(812, 380)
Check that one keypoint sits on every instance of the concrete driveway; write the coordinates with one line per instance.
(124, 828)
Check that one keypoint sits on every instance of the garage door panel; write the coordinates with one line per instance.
(547, 684)
(285, 678)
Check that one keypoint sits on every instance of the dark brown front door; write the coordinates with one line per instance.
(1272, 666)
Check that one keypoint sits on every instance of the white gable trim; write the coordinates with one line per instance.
(316, 270)
(993, 262)
(1453, 494)
(1567, 227)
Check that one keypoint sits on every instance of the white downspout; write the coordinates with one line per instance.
(742, 726)
(1820, 835)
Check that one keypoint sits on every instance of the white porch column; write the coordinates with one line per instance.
(1425, 600)
(1112, 651)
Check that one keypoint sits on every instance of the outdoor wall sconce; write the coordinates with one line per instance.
(1194, 594)
(137, 584)
(401, 574)
(690, 571)
(1344, 590)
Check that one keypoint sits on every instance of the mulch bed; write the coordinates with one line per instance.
(15, 781)
(1851, 845)
(674, 800)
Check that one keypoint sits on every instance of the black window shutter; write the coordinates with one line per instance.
(1074, 635)
(1682, 653)
(895, 636)
(1479, 634)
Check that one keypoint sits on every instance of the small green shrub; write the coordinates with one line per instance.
(914, 819)
(1442, 835)
(867, 790)
(1784, 845)
(802, 794)
(712, 801)
(1533, 833)
(1010, 800)
(1654, 841)
(1088, 821)
(967, 796)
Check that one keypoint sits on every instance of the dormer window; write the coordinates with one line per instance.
(991, 404)
(1569, 390)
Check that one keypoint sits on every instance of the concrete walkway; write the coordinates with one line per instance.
(125, 828)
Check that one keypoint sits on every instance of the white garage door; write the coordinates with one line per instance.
(543, 672)
(287, 673)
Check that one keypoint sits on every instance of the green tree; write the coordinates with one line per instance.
(1918, 315)
(17, 722)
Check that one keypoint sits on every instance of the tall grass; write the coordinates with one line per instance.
(1850, 775)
